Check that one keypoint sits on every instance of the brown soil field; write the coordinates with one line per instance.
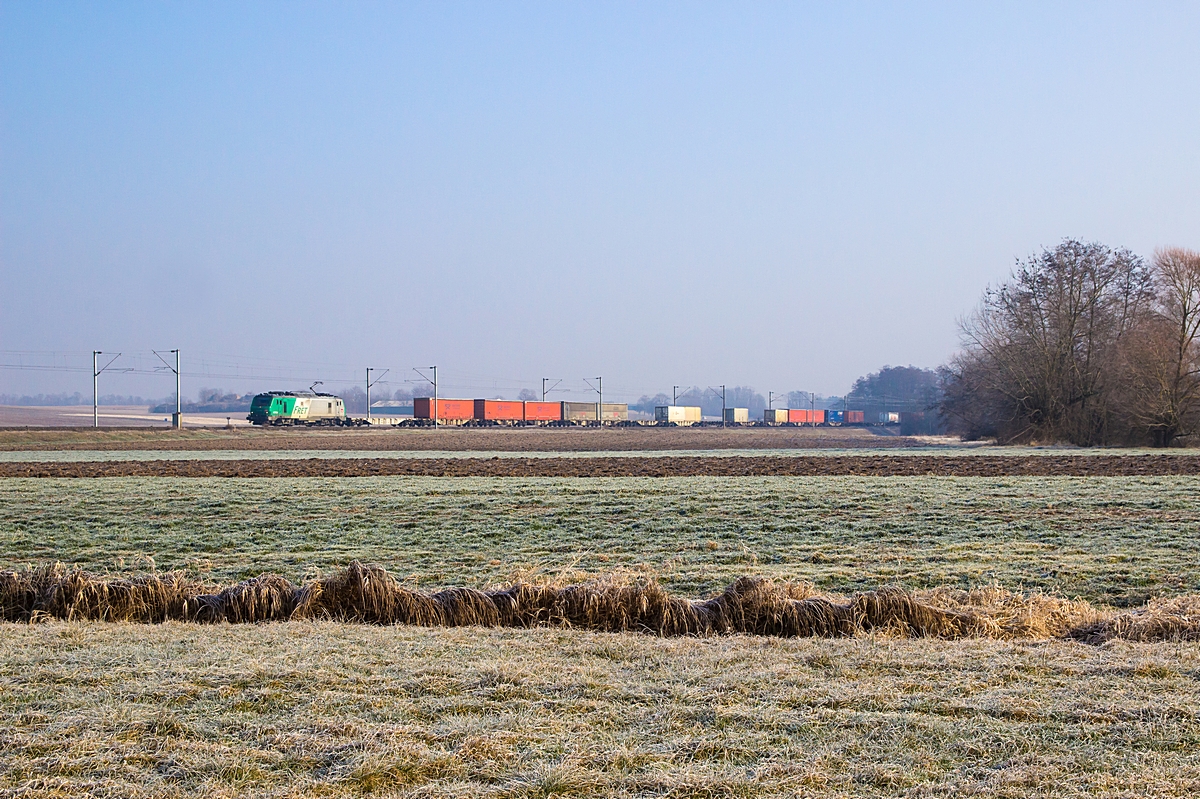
(732, 466)
(528, 439)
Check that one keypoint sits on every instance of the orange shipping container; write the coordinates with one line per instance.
(452, 410)
(543, 411)
(855, 417)
(804, 416)
(499, 410)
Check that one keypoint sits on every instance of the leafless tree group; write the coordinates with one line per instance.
(1084, 344)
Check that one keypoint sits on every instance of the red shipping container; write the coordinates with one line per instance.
(543, 411)
(452, 410)
(499, 410)
(855, 417)
(805, 416)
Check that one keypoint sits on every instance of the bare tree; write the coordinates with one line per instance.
(1040, 353)
(1160, 359)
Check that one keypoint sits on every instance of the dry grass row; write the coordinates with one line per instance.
(756, 606)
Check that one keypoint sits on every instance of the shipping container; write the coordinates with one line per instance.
(805, 416)
(889, 417)
(450, 410)
(679, 414)
(835, 417)
(737, 415)
(390, 408)
(616, 412)
(586, 412)
(855, 417)
(775, 416)
(543, 411)
(579, 411)
(499, 410)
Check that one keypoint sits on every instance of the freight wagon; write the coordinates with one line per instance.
(543, 411)
(499, 411)
(585, 412)
(677, 414)
(737, 415)
(804, 416)
(452, 411)
(460, 411)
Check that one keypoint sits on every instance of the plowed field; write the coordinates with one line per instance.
(757, 466)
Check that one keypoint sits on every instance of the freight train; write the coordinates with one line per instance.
(306, 408)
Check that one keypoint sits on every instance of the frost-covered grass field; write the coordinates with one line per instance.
(1108, 540)
(320, 708)
(323, 709)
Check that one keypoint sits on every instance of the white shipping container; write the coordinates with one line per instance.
(775, 416)
(889, 417)
(679, 414)
(587, 411)
(736, 415)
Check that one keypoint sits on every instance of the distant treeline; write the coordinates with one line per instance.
(70, 399)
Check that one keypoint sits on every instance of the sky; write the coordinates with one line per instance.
(781, 195)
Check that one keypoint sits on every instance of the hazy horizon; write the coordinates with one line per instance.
(779, 196)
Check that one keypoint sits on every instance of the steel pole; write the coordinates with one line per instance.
(368, 395)
(178, 396)
(95, 391)
(435, 407)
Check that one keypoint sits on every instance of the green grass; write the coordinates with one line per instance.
(1108, 540)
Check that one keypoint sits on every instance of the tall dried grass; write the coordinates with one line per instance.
(267, 597)
(66, 593)
(1013, 615)
(368, 594)
(1174, 619)
(755, 606)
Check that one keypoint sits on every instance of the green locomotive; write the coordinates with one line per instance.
(297, 408)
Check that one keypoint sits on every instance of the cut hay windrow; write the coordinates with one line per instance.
(368, 594)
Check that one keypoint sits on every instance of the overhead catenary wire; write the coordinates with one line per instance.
(257, 369)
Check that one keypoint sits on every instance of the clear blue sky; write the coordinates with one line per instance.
(781, 195)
